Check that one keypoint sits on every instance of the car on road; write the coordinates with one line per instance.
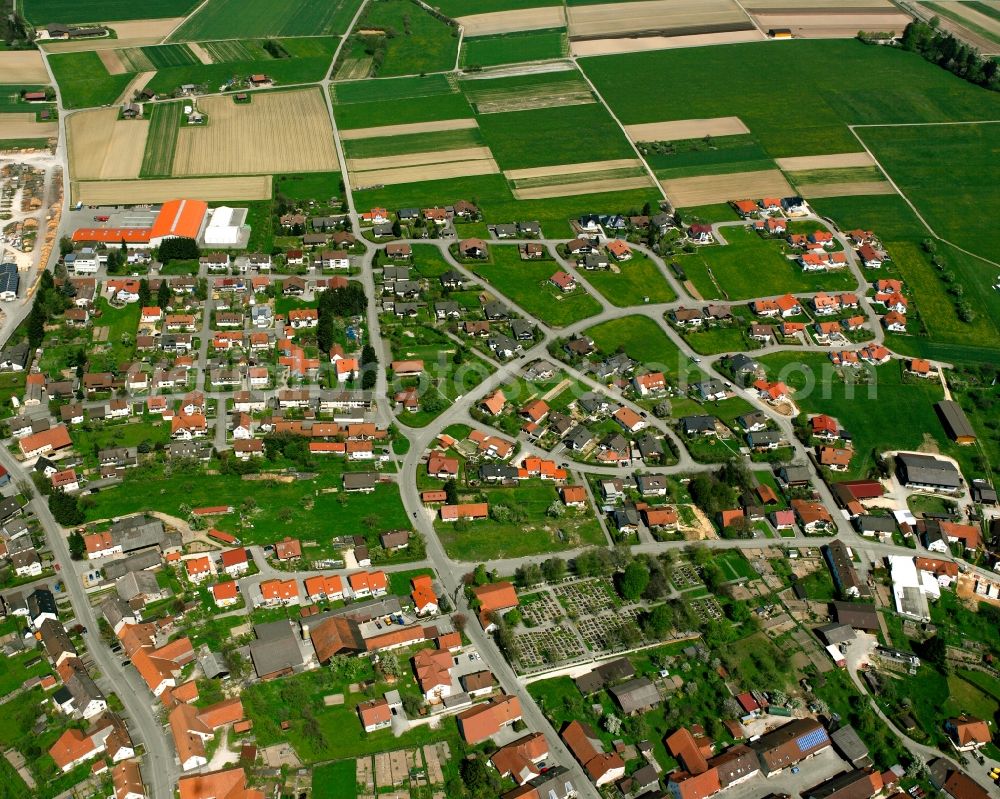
(696, 359)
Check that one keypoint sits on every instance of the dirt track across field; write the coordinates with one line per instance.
(103, 147)
(571, 169)
(403, 130)
(653, 15)
(588, 47)
(24, 126)
(528, 19)
(136, 33)
(22, 66)
(134, 192)
(278, 132)
(439, 171)
(809, 25)
(709, 189)
(835, 161)
(418, 159)
(137, 84)
(589, 187)
(686, 129)
(815, 190)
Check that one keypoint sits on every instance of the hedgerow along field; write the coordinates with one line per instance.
(161, 143)
(873, 85)
(511, 48)
(239, 19)
(39, 12)
(923, 160)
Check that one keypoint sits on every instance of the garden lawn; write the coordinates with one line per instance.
(734, 566)
(713, 340)
(83, 80)
(872, 414)
(235, 19)
(923, 160)
(638, 280)
(336, 733)
(535, 533)
(13, 671)
(748, 266)
(873, 85)
(335, 780)
(511, 48)
(88, 442)
(527, 284)
(300, 508)
(642, 339)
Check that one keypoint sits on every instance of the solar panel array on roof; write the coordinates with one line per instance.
(811, 739)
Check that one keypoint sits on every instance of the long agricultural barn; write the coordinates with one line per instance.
(955, 422)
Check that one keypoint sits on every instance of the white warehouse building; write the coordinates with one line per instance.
(226, 227)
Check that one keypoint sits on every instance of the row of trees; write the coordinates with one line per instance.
(948, 52)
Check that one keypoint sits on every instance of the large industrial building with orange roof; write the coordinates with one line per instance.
(175, 219)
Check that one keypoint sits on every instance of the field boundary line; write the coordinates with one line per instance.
(621, 127)
(924, 124)
(906, 199)
(177, 27)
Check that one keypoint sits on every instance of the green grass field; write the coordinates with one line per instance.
(872, 414)
(901, 232)
(381, 146)
(511, 48)
(23, 144)
(10, 98)
(399, 112)
(161, 142)
(83, 80)
(367, 91)
(924, 160)
(492, 195)
(638, 279)
(38, 12)
(699, 156)
(233, 50)
(551, 136)
(237, 19)
(335, 781)
(422, 43)
(749, 266)
(141, 59)
(314, 515)
(457, 8)
(535, 533)
(641, 338)
(711, 341)
(526, 283)
(873, 84)
(309, 60)
(845, 175)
